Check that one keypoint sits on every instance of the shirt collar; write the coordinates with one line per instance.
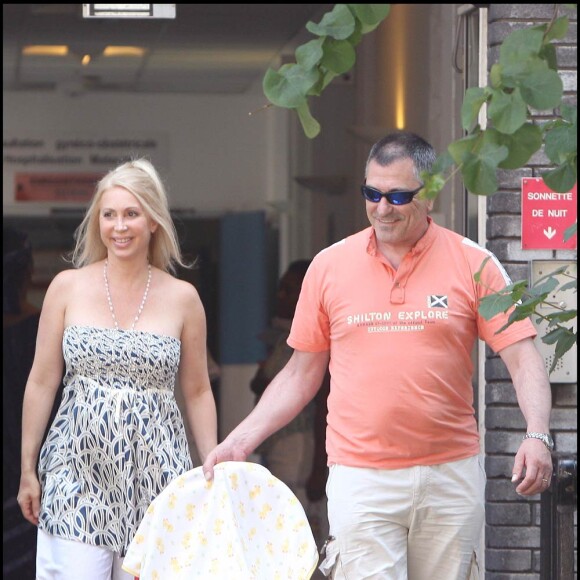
(424, 242)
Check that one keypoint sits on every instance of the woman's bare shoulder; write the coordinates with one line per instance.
(176, 288)
(63, 280)
(74, 276)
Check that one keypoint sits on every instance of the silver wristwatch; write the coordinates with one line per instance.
(545, 438)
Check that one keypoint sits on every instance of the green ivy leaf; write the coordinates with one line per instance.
(324, 79)
(565, 342)
(560, 142)
(472, 102)
(564, 338)
(563, 178)
(310, 54)
(520, 46)
(357, 35)
(442, 163)
(516, 315)
(557, 29)
(569, 113)
(339, 55)
(542, 89)
(569, 285)
(553, 274)
(507, 111)
(319, 61)
(460, 149)
(477, 275)
(432, 184)
(560, 317)
(521, 146)
(310, 125)
(288, 86)
(513, 75)
(491, 305)
(543, 289)
(518, 290)
(519, 55)
(504, 300)
(495, 76)
(548, 53)
(554, 335)
(370, 15)
(479, 177)
(339, 23)
(479, 169)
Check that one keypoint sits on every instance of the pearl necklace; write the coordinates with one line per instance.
(142, 305)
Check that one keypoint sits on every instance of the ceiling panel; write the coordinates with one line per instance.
(207, 48)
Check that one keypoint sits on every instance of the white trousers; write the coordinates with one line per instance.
(405, 524)
(61, 559)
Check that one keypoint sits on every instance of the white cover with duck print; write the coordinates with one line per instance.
(244, 525)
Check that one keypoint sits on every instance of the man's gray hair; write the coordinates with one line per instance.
(403, 145)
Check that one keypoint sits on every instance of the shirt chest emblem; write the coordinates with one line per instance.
(437, 301)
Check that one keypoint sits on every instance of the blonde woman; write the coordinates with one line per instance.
(121, 327)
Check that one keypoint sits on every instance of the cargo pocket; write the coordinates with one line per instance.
(474, 572)
(330, 552)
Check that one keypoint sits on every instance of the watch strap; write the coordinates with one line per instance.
(545, 438)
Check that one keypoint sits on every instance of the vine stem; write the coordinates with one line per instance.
(554, 15)
(259, 110)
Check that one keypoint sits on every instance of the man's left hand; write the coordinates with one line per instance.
(532, 468)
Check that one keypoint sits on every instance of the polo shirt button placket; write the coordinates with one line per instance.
(398, 293)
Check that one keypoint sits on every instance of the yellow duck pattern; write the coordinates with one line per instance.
(244, 525)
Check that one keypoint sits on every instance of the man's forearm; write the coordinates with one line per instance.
(528, 373)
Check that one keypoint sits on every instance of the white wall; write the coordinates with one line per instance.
(217, 159)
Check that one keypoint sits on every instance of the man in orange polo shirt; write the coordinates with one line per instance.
(393, 310)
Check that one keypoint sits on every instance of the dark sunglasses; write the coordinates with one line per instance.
(393, 197)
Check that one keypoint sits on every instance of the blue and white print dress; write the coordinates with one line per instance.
(118, 437)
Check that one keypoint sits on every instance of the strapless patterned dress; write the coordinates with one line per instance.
(117, 439)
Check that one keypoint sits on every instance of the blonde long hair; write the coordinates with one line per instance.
(140, 178)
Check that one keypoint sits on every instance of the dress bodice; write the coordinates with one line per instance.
(118, 437)
(121, 358)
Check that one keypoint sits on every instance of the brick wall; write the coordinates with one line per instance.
(513, 523)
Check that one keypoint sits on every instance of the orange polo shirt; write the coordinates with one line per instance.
(400, 346)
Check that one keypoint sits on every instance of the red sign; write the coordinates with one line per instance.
(75, 187)
(546, 215)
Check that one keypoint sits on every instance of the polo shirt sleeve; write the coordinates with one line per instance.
(310, 330)
(493, 279)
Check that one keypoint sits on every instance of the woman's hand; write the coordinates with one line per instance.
(29, 497)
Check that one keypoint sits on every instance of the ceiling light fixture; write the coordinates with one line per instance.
(124, 51)
(45, 50)
(128, 10)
